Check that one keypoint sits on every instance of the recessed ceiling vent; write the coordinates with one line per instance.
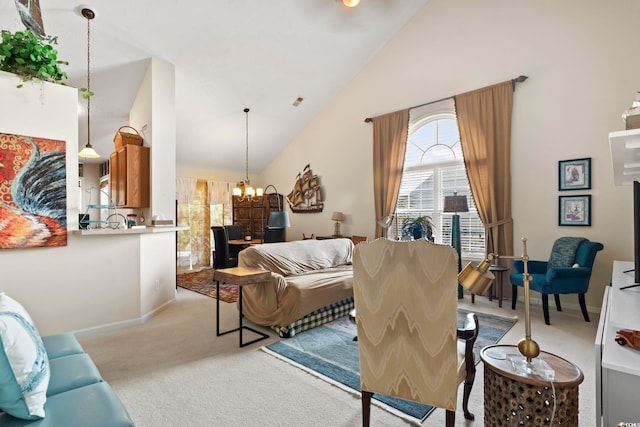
(297, 101)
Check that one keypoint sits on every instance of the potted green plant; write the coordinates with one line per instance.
(32, 58)
(418, 227)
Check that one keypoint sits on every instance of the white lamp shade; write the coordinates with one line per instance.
(88, 152)
(337, 216)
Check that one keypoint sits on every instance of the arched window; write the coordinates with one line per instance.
(434, 168)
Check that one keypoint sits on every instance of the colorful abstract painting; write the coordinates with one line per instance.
(33, 192)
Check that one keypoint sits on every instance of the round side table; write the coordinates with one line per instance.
(515, 398)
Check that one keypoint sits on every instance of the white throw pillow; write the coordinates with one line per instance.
(24, 366)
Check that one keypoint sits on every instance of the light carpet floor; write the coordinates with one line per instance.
(174, 371)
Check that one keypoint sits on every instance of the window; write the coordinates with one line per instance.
(434, 168)
(195, 244)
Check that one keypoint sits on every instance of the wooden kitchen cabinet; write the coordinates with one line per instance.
(130, 177)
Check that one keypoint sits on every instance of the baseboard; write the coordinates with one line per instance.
(122, 324)
(537, 301)
(552, 304)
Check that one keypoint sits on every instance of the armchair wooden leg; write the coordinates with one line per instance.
(583, 307)
(366, 408)
(471, 326)
(451, 419)
(557, 298)
(514, 296)
(468, 384)
(545, 308)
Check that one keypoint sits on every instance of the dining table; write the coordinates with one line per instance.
(244, 243)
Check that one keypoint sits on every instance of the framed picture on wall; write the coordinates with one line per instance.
(575, 210)
(574, 174)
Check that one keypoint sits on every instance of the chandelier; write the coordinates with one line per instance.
(243, 189)
(88, 152)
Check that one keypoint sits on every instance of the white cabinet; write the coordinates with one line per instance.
(618, 367)
(625, 156)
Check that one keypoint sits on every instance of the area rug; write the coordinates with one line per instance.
(329, 352)
(202, 282)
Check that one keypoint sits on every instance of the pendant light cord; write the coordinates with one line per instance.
(89, 15)
(89, 80)
(246, 166)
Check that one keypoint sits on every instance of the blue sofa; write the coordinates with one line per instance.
(50, 381)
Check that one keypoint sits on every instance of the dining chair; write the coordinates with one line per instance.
(405, 295)
(222, 257)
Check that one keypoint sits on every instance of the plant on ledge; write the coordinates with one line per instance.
(418, 228)
(32, 58)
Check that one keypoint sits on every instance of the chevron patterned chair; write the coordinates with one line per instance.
(405, 296)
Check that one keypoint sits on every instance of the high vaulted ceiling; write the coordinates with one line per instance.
(228, 55)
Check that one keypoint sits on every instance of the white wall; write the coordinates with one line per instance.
(95, 281)
(583, 73)
(89, 282)
(215, 174)
(154, 110)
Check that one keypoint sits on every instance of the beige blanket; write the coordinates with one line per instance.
(305, 275)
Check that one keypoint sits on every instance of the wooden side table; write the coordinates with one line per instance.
(239, 276)
(515, 398)
(497, 271)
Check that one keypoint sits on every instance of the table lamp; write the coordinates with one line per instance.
(456, 204)
(478, 280)
(278, 219)
(337, 217)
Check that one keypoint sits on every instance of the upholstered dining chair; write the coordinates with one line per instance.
(222, 257)
(567, 271)
(405, 296)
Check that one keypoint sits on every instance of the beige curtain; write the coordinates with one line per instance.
(185, 189)
(194, 244)
(484, 120)
(389, 144)
(220, 192)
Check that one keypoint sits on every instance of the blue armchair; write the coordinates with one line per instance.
(558, 275)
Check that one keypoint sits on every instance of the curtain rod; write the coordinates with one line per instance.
(518, 79)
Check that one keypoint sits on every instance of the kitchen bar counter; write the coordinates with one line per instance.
(126, 231)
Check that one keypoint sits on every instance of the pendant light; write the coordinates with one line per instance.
(243, 189)
(88, 151)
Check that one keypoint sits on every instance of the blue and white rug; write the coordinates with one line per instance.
(329, 352)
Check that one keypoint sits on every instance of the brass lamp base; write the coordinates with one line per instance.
(529, 348)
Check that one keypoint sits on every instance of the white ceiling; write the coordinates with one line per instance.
(228, 55)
